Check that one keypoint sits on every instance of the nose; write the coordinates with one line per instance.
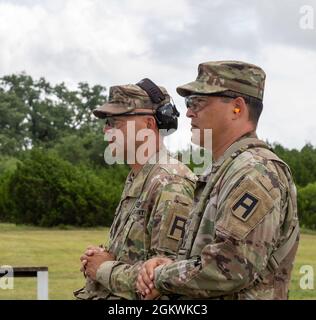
(189, 113)
(106, 129)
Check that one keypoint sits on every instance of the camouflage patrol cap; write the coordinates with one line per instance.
(220, 76)
(126, 98)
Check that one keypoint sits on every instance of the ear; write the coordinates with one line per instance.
(239, 108)
(151, 123)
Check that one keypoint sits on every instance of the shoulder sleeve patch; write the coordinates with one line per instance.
(168, 231)
(245, 206)
(243, 209)
(177, 226)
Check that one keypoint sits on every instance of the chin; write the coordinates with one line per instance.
(196, 138)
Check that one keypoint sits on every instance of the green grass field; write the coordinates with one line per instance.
(60, 251)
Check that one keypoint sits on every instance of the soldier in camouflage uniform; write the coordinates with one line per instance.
(242, 235)
(153, 209)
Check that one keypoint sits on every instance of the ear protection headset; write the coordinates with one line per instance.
(167, 114)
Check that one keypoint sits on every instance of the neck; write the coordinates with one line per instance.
(220, 147)
(136, 167)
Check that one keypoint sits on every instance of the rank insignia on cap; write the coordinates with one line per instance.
(245, 206)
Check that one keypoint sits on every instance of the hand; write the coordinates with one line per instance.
(145, 279)
(94, 262)
(152, 296)
(91, 250)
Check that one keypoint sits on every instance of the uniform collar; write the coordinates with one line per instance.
(242, 142)
(138, 181)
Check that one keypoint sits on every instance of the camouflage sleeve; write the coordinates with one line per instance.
(246, 232)
(119, 278)
(164, 229)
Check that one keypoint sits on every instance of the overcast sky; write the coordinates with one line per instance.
(113, 42)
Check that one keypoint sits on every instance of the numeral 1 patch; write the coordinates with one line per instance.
(176, 230)
(245, 206)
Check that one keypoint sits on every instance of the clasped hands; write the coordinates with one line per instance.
(92, 258)
(145, 280)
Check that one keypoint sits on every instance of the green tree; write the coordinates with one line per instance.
(47, 191)
(307, 206)
(13, 133)
(35, 113)
(8, 166)
(302, 163)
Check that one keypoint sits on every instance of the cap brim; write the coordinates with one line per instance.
(110, 109)
(197, 87)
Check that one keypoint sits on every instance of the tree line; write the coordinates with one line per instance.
(52, 170)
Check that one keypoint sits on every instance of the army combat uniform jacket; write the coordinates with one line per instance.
(149, 221)
(242, 235)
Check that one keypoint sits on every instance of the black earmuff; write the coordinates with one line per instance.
(167, 114)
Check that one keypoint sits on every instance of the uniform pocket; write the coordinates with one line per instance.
(133, 235)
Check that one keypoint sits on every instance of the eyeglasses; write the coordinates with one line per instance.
(196, 103)
(112, 121)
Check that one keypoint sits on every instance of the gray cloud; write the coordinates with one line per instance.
(111, 42)
(243, 26)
